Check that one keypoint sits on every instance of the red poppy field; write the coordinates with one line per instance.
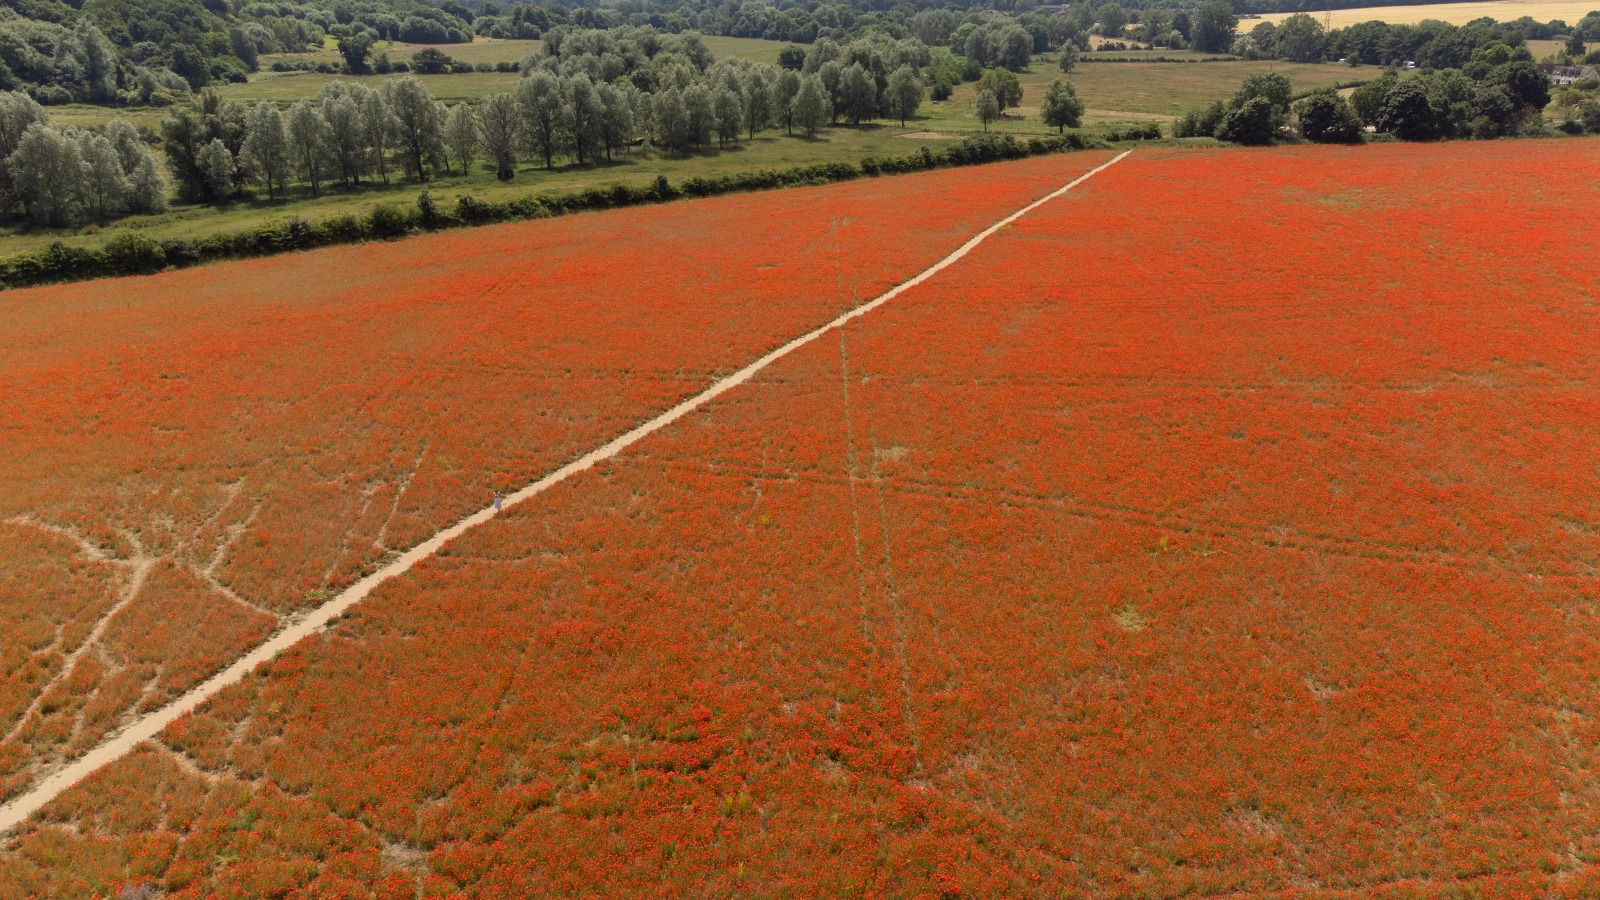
(195, 457)
(1229, 526)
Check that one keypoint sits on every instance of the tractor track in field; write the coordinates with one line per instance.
(1287, 538)
(20, 808)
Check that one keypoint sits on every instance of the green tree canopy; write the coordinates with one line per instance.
(1214, 22)
(1005, 86)
(1252, 123)
(1062, 107)
(988, 107)
(904, 93)
(1326, 118)
(1407, 114)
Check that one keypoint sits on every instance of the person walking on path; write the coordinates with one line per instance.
(497, 501)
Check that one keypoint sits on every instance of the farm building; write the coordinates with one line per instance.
(1569, 74)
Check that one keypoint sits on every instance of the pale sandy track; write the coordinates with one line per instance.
(148, 726)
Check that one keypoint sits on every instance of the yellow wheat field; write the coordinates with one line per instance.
(1456, 13)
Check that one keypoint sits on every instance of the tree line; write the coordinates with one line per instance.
(61, 177)
(154, 52)
(585, 99)
(1501, 92)
(57, 63)
(588, 96)
(1429, 44)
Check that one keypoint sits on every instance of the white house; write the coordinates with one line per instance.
(1569, 74)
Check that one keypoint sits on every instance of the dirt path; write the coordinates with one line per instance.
(138, 567)
(119, 744)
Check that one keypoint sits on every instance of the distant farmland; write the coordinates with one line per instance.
(1569, 11)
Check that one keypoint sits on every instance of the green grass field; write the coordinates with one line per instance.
(481, 50)
(495, 50)
(1114, 92)
(1136, 91)
(83, 116)
(1152, 54)
(1542, 49)
(287, 87)
(746, 48)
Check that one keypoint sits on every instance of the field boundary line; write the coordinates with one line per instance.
(144, 728)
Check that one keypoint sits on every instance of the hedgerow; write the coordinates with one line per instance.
(132, 253)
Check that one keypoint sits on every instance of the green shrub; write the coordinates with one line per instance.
(1200, 122)
(260, 241)
(215, 246)
(1327, 118)
(428, 212)
(1250, 124)
(343, 229)
(474, 211)
(527, 208)
(593, 198)
(622, 195)
(179, 253)
(388, 221)
(981, 148)
(59, 262)
(300, 234)
(130, 252)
